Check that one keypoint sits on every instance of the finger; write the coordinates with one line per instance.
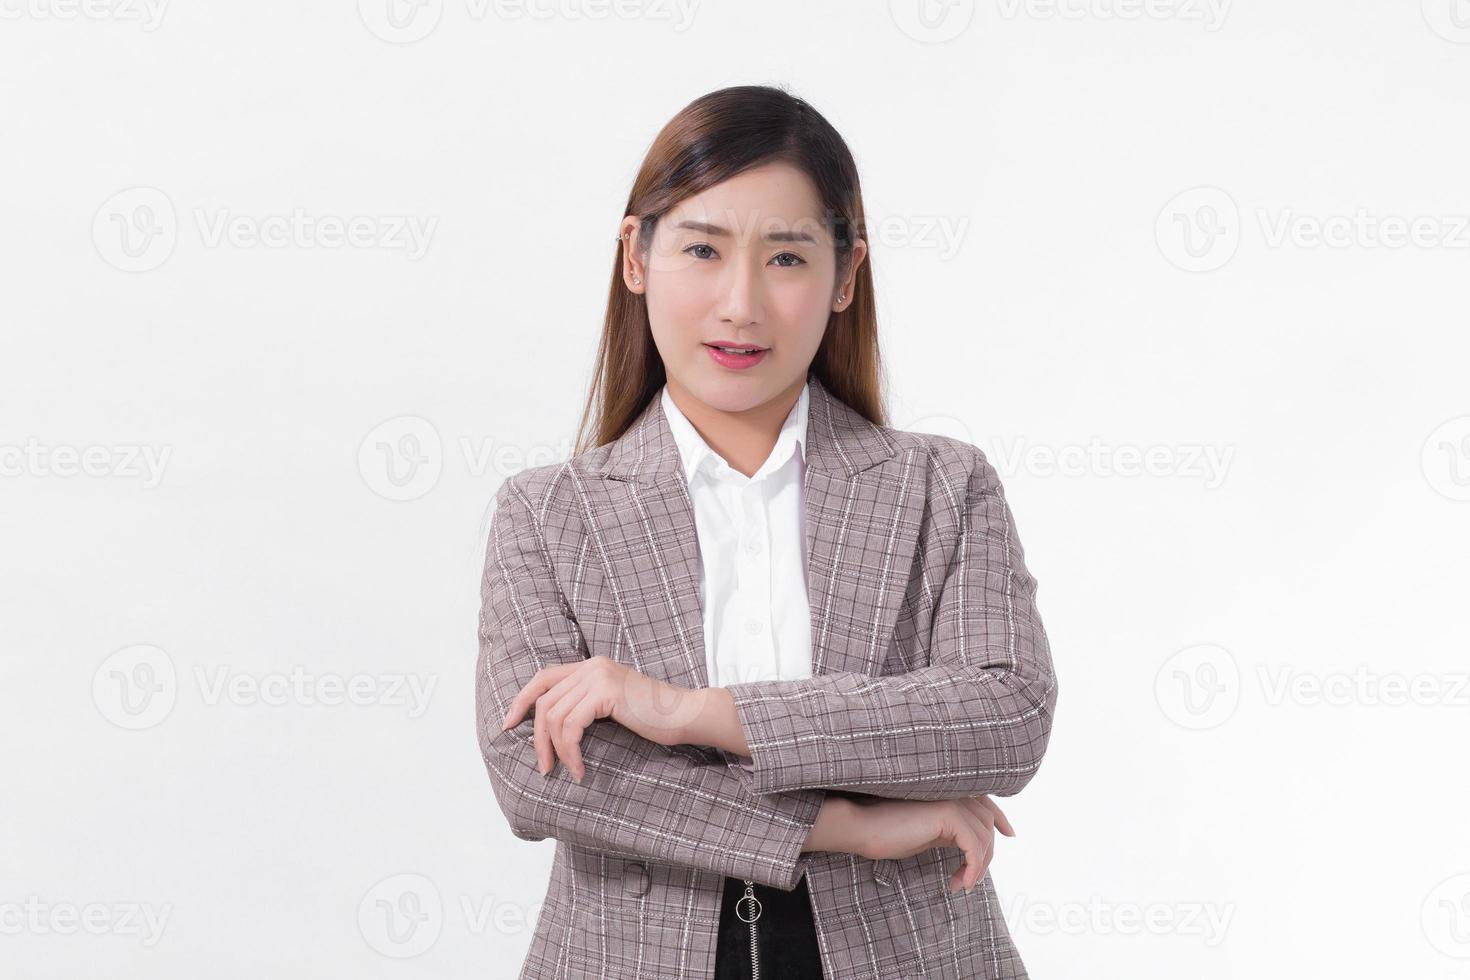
(584, 714)
(984, 816)
(977, 809)
(979, 819)
(984, 843)
(1002, 823)
(526, 697)
(969, 842)
(541, 736)
(545, 727)
(987, 837)
(563, 739)
(989, 852)
(535, 687)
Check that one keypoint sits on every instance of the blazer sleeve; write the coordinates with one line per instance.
(976, 720)
(638, 799)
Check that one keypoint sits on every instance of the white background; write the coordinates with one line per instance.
(1093, 234)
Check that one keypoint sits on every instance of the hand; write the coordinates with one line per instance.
(570, 697)
(901, 828)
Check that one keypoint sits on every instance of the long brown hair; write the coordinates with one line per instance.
(712, 139)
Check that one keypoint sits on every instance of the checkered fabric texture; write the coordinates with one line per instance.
(932, 679)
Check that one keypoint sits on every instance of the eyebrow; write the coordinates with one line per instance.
(774, 236)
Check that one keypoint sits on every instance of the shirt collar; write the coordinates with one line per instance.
(697, 456)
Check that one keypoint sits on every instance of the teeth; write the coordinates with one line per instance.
(738, 350)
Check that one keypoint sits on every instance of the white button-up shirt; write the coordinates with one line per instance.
(752, 543)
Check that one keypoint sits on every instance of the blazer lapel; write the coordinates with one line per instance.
(861, 530)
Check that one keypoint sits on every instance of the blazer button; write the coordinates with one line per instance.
(635, 879)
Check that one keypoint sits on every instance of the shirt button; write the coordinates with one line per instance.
(752, 547)
(752, 626)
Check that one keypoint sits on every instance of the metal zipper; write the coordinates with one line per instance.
(755, 947)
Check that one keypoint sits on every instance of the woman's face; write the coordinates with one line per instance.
(748, 262)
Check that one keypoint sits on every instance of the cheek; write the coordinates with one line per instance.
(676, 315)
(801, 308)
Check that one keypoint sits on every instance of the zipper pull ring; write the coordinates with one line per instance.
(755, 903)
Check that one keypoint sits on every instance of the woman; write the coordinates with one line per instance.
(783, 653)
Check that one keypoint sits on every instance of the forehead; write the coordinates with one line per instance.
(771, 197)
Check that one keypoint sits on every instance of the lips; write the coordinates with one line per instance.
(730, 359)
(732, 345)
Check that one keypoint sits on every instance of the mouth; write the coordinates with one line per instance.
(736, 356)
(737, 348)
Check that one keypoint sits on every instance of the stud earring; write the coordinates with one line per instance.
(636, 280)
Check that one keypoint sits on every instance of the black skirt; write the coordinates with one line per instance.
(785, 935)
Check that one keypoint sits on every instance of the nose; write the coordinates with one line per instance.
(741, 295)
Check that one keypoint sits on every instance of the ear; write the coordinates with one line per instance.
(849, 281)
(635, 276)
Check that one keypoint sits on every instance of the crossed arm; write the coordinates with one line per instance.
(975, 721)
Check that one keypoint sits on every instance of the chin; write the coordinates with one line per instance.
(733, 392)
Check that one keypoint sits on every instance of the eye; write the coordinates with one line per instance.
(790, 255)
(691, 248)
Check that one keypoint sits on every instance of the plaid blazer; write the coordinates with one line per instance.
(932, 679)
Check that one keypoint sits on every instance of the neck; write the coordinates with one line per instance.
(743, 439)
